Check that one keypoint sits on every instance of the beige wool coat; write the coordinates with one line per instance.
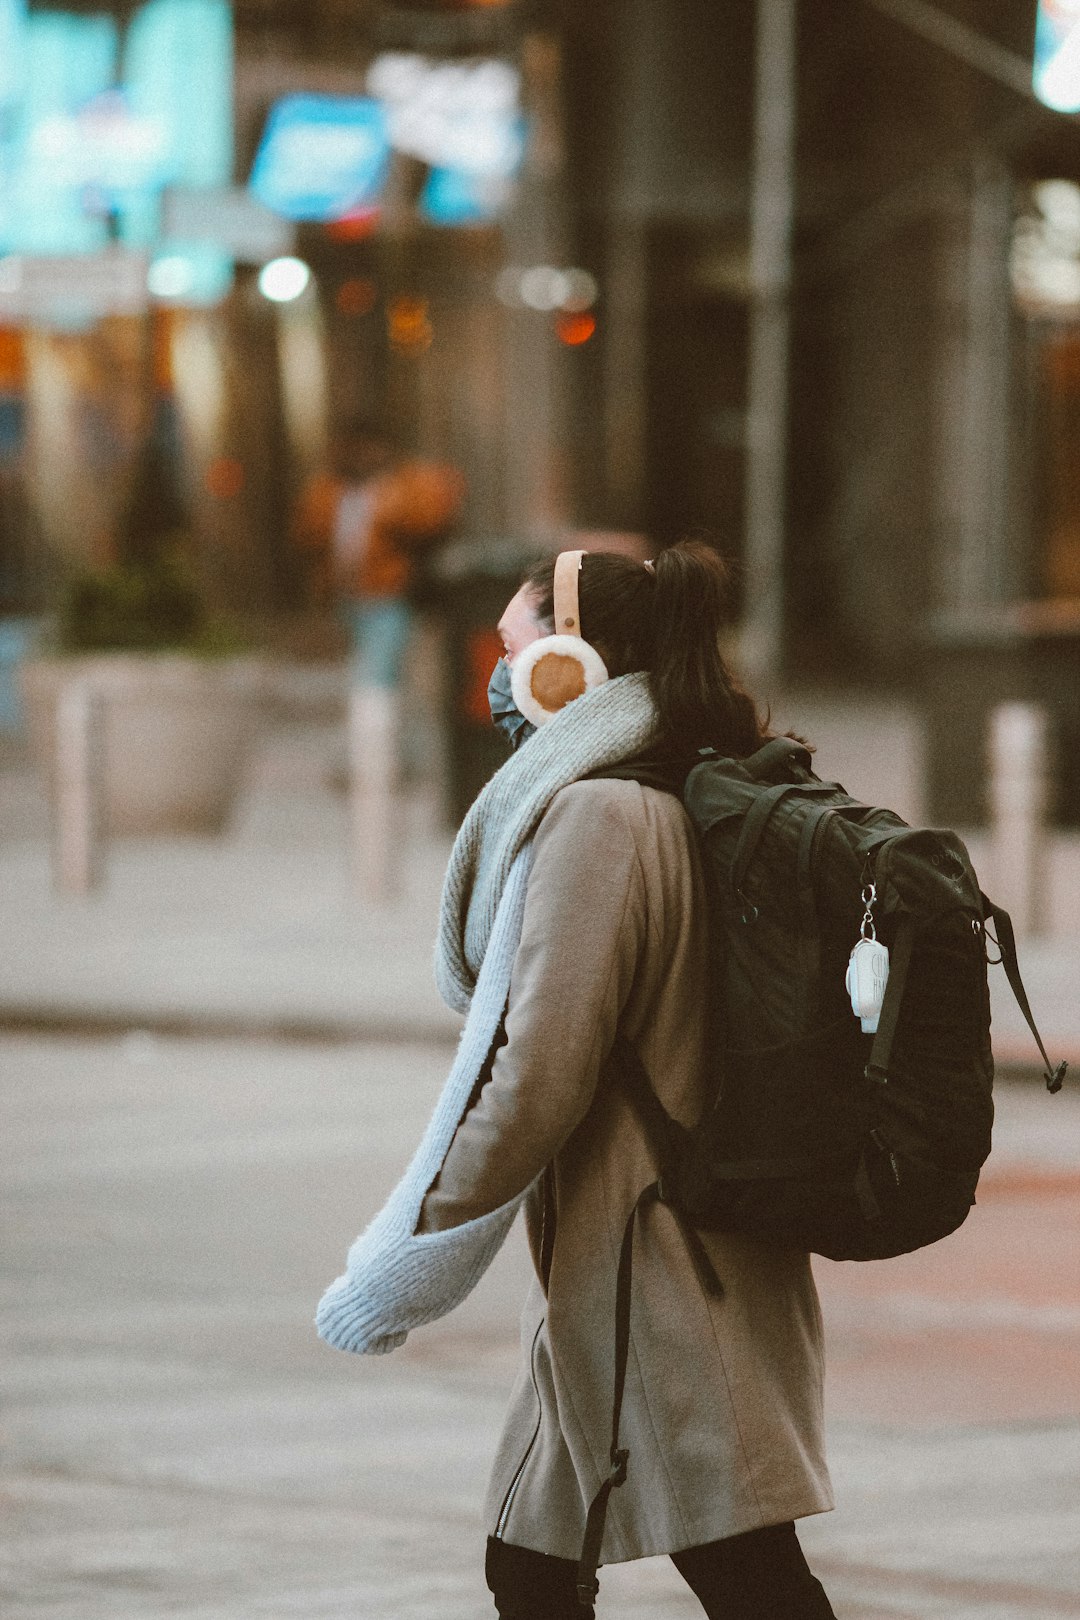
(723, 1406)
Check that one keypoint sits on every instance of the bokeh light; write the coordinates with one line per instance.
(544, 287)
(357, 226)
(574, 329)
(282, 280)
(356, 296)
(409, 326)
(171, 276)
(1057, 55)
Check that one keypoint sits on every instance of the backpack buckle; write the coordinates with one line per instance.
(749, 913)
(1055, 1078)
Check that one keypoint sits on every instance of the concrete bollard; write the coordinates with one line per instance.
(78, 843)
(1020, 803)
(374, 830)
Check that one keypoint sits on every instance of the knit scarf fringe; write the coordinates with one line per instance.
(605, 726)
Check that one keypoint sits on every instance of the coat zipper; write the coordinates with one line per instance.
(508, 1500)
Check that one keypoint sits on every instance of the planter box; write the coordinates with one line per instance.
(176, 733)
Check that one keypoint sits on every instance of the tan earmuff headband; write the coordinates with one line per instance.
(554, 670)
(565, 593)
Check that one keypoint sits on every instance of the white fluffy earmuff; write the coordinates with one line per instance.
(554, 670)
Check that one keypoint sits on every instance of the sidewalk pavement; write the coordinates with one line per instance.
(177, 1442)
(261, 931)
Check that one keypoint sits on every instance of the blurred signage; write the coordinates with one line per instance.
(104, 145)
(230, 218)
(322, 157)
(462, 116)
(66, 62)
(67, 289)
(97, 121)
(178, 65)
(1057, 55)
(12, 19)
(456, 197)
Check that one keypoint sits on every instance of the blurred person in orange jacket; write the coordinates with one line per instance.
(367, 521)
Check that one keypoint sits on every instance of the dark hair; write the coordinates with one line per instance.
(666, 621)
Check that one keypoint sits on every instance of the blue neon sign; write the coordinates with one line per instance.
(456, 197)
(322, 157)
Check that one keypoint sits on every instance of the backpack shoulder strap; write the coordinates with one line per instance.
(650, 770)
(587, 1584)
(812, 827)
(662, 1131)
(660, 1128)
(1006, 942)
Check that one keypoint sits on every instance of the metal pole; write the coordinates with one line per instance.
(375, 833)
(536, 233)
(1019, 796)
(978, 573)
(625, 363)
(772, 209)
(78, 780)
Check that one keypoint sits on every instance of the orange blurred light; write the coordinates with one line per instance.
(225, 478)
(574, 329)
(12, 359)
(408, 325)
(354, 227)
(357, 296)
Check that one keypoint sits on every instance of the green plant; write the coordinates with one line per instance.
(151, 606)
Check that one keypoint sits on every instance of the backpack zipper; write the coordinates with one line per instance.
(883, 1147)
(508, 1499)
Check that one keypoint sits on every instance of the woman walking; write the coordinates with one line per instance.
(574, 918)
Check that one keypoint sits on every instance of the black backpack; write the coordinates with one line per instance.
(855, 1145)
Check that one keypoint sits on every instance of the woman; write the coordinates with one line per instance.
(574, 912)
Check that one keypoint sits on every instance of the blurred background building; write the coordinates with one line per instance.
(803, 279)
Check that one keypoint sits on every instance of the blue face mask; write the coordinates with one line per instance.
(504, 711)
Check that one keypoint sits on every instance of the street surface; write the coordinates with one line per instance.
(178, 1442)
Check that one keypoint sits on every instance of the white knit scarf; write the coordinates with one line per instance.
(605, 726)
(396, 1279)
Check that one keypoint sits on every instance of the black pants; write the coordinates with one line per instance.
(761, 1575)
